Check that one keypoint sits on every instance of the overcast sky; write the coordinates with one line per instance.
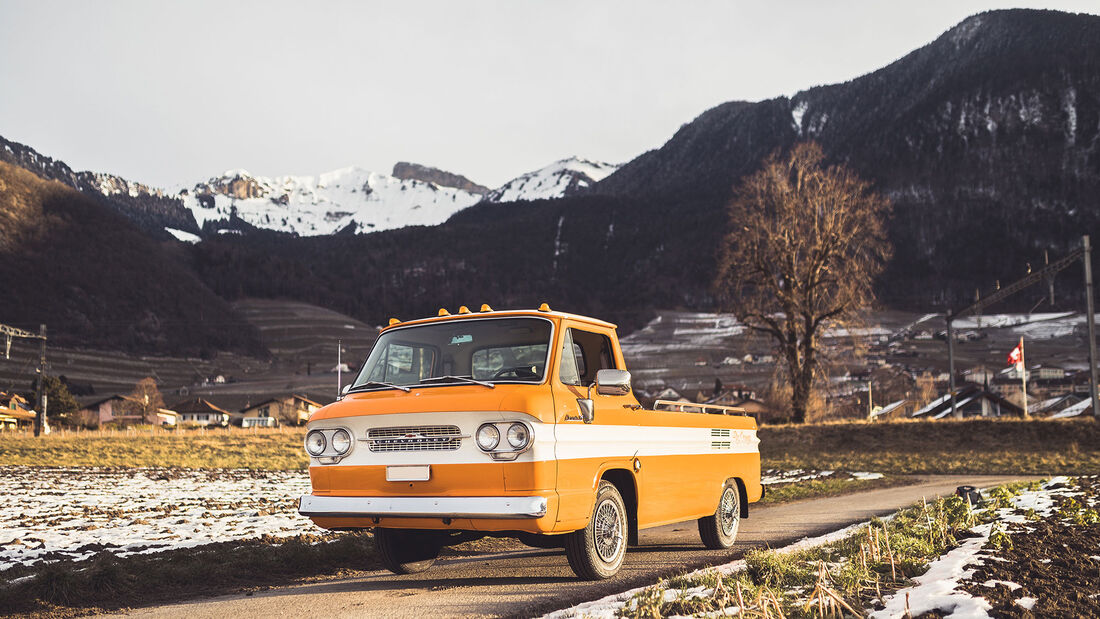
(172, 93)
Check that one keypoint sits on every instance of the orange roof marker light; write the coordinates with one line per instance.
(463, 310)
(443, 312)
(394, 321)
(544, 308)
(485, 307)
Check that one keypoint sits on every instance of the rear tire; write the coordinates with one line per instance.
(596, 552)
(720, 530)
(407, 551)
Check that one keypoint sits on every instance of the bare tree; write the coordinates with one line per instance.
(145, 400)
(806, 241)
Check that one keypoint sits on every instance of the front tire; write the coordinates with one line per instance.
(720, 530)
(407, 551)
(596, 552)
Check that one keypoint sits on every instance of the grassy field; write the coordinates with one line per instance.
(259, 448)
(1038, 447)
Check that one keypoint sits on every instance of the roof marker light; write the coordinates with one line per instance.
(394, 321)
(443, 312)
(463, 310)
(544, 308)
(485, 307)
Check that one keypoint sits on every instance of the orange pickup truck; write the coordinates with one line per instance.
(520, 424)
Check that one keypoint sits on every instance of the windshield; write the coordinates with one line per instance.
(499, 350)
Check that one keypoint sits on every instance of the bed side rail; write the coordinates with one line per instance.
(692, 407)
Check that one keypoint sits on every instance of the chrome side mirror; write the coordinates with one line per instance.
(588, 410)
(612, 382)
(346, 389)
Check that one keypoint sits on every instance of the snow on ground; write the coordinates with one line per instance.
(72, 513)
(689, 331)
(181, 235)
(609, 606)
(775, 476)
(937, 589)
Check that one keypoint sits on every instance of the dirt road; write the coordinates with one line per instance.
(530, 582)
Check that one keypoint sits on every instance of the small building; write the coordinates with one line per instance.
(973, 401)
(294, 409)
(15, 412)
(201, 412)
(121, 410)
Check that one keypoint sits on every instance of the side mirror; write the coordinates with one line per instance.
(612, 382)
(588, 410)
(346, 389)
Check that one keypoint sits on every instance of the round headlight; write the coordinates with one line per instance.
(488, 437)
(518, 436)
(315, 443)
(341, 441)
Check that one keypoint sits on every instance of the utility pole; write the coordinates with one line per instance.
(39, 390)
(955, 412)
(1089, 310)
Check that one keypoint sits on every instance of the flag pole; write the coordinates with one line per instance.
(1023, 373)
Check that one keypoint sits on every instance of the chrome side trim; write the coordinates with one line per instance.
(423, 507)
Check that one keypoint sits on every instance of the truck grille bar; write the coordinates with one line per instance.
(415, 438)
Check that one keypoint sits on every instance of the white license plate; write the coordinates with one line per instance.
(420, 472)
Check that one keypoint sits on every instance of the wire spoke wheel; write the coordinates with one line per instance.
(720, 530)
(597, 551)
(609, 530)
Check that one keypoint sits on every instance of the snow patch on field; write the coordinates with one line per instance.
(51, 514)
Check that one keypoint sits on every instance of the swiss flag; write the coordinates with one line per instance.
(1017, 355)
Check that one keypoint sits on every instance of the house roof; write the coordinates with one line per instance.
(198, 406)
(940, 407)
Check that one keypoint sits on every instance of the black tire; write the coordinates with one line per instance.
(407, 551)
(719, 530)
(596, 552)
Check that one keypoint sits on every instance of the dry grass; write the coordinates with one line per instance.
(1039, 446)
(258, 448)
(819, 488)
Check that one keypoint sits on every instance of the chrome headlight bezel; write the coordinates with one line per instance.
(330, 454)
(489, 431)
(314, 434)
(341, 437)
(504, 448)
(519, 436)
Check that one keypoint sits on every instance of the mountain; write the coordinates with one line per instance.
(149, 208)
(986, 140)
(347, 200)
(414, 171)
(561, 178)
(69, 261)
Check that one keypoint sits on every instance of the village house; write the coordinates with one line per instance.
(201, 412)
(293, 409)
(121, 410)
(974, 401)
(15, 412)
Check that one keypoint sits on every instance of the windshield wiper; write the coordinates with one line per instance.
(467, 379)
(376, 383)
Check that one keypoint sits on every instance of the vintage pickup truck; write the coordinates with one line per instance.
(520, 424)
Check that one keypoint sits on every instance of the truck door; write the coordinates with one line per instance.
(584, 450)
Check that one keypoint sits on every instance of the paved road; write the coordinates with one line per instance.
(531, 582)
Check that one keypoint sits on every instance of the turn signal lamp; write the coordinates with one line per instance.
(394, 321)
(463, 310)
(544, 308)
(485, 307)
(443, 312)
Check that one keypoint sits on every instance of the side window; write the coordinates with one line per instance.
(570, 373)
(594, 354)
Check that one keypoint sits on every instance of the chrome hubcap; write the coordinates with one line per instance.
(727, 511)
(608, 530)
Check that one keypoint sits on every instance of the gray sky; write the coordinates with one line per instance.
(172, 93)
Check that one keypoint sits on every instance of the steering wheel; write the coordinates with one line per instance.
(518, 371)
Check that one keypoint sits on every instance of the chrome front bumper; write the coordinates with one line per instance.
(423, 507)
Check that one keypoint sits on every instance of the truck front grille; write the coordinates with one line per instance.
(415, 438)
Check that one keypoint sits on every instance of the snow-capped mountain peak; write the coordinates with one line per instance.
(558, 179)
(324, 204)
